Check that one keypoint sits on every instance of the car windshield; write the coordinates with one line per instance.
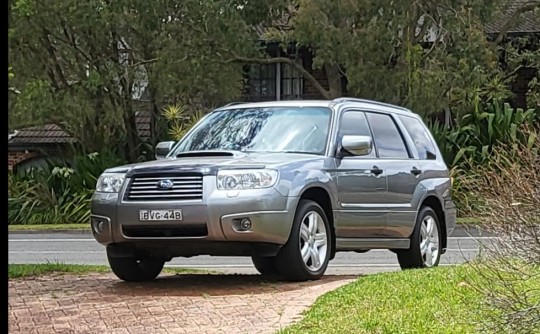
(283, 129)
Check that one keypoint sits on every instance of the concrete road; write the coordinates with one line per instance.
(81, 248)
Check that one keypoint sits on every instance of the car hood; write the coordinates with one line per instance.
(208, 162)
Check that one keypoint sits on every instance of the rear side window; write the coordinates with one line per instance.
(419, 135)
(388, 140)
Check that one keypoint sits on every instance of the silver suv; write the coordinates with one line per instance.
(289, 183)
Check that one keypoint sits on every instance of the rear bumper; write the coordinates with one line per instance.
(450, 218)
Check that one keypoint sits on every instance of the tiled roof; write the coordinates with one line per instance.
(52, 134)
(527, 22)
(45, 134)
(142, 121)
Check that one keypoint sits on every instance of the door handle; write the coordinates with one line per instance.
(416, 171)
(376, 170)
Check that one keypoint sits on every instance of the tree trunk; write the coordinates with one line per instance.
(156, 128)
(333, 75)
(132, 144)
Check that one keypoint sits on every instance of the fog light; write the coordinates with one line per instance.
(245, 224)
(100, 226)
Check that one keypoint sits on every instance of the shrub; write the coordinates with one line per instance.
(58, 193)
(476, 134)
(475, 139)
(509, 187)
(179, 120)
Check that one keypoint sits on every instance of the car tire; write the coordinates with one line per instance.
(135, 268)
(306, 254)
(425, 246)
(265, 265)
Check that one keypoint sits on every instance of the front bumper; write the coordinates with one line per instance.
(216, 218)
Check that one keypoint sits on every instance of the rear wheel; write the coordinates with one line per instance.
(135, 268)
(426, 246)
(265, 265)
(306, 254)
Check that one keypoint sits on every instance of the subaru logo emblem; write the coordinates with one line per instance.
(165, 184)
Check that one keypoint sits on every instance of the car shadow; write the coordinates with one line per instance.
(213, 285)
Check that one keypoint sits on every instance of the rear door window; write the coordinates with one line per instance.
(420, 137)
(388, 140)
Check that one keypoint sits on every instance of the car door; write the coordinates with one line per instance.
(421, 166)
(402, 170)
(361, 184)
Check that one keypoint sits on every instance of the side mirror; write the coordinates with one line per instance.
(163, 148)
(357, 145)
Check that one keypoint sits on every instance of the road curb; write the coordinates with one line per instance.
(82, 231)
(460, 231)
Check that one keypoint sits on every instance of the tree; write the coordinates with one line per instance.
(83, 65)
(427, 55)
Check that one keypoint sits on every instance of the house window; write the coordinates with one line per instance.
(292, 83)
(262, 82)
(267, 82)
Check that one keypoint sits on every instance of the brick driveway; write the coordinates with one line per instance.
(198, 303)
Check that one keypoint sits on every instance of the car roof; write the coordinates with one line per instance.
(338, 104)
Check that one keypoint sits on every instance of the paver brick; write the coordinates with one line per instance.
(100, 303)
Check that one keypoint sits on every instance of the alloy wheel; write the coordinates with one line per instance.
(313, 241)
(429, 241)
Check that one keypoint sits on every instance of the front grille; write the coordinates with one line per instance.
(184, 187)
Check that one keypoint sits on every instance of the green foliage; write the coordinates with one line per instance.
(58, 193)
(475, 134)
(178, 121)
(429, 56)
(522, 56)
(475, 140)
(81, 65)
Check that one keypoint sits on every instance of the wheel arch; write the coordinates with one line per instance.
(321, 196)
(434, 203)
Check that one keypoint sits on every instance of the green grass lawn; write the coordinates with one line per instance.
(29, 270)
(415, 301)
(49, 227)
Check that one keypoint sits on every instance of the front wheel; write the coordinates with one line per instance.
(306, 254)
(135, 268)
(425, 246)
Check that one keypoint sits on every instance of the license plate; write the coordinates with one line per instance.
(160, 215)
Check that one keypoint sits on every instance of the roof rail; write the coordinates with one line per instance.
(354, 99)
(232, 104)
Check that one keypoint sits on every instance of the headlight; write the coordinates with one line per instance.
(246, 179)
(110, 182)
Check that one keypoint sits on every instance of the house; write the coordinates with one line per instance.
(267, 82)
(275, 81)
(26, 146)
(519, 20)
(29, 147)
